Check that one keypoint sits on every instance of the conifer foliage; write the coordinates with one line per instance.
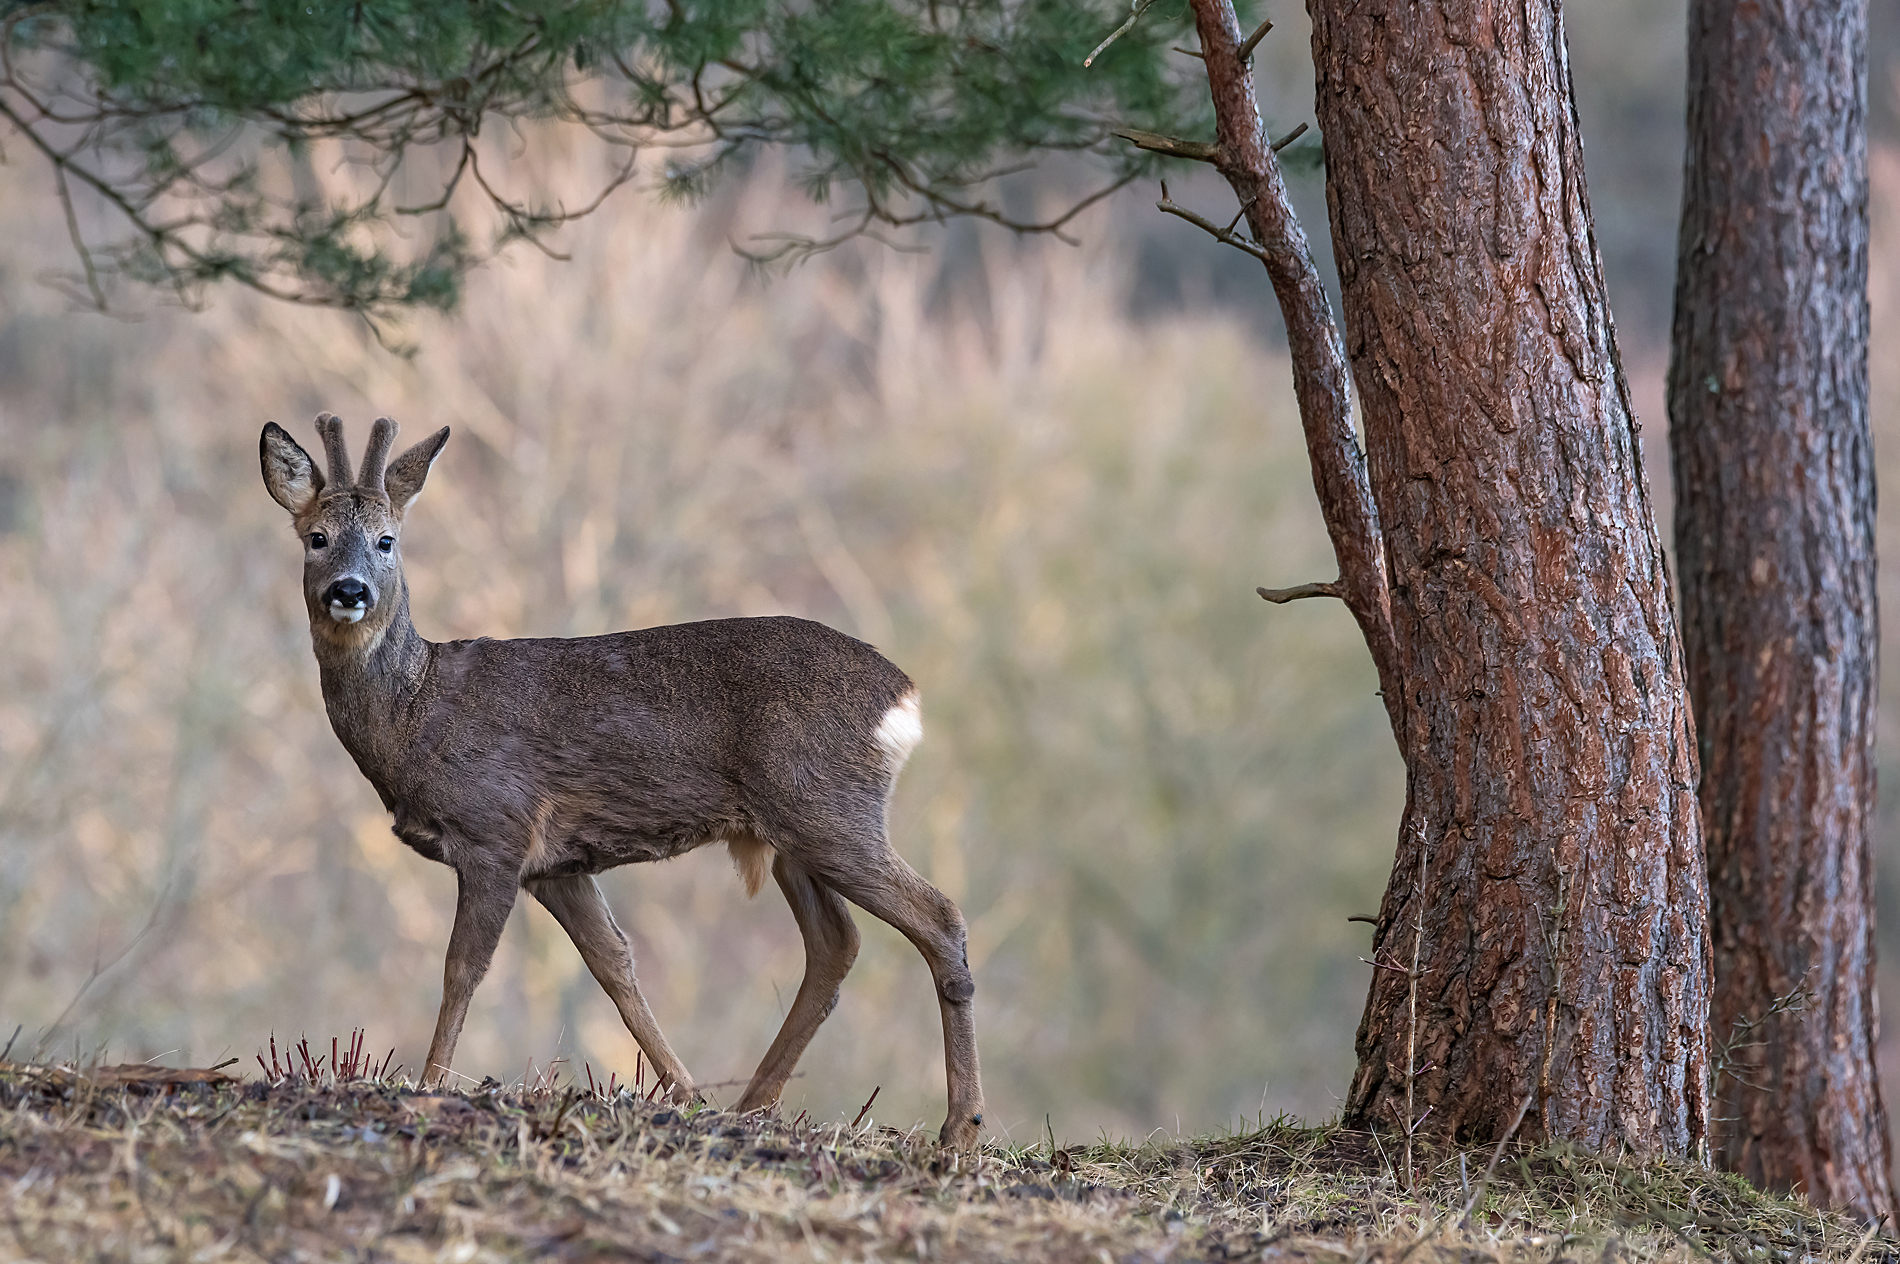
(178, 129)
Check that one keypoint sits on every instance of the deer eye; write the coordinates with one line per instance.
(387, 543)
(318, 540)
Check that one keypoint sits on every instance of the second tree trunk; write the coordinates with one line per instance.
(1775, 527)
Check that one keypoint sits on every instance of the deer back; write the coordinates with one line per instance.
(608, 750)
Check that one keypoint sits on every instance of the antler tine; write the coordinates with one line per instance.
(330, 429)
(381, 435)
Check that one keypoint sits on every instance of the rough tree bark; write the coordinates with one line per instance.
(1497, 549)
(1547, 737)
(1775, 531)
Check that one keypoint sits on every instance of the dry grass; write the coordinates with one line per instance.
(127, 1164)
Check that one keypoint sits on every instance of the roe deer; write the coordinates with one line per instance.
(539, 763)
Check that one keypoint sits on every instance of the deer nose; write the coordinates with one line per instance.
(347, 599)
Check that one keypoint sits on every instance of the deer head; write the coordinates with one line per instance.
(351, 527)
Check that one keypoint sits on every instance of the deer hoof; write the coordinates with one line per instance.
(960, 1132)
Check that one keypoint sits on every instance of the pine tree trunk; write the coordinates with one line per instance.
(1775, 527)
(1550, 874)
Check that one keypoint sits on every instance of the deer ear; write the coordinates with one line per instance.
(404, 477)
(290, 476)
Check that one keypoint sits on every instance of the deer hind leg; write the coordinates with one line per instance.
(831, 945)
(891, 890)
(577, 903)
(482, 905)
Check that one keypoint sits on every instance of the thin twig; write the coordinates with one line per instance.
(99, 969)
(1288, 139)
(1860, 1248)
(1199, 151)
(1135, 10)
(867, 1105)
(1172, 146)
(1252, 42)
(1219, 234)
(1497, 1155)
(1793, 1002)
(1411, 1009)
(1280, 596)
(1554, 941)
(80, 247)
(1438, 1223)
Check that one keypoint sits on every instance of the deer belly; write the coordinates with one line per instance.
(562, 843)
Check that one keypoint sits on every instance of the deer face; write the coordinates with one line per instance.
(351, 528)
(350, 557)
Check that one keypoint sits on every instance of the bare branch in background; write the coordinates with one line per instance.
(1135, 10)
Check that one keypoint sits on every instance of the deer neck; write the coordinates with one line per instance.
(370, 684)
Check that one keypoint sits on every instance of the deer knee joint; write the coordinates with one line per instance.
(957, 989)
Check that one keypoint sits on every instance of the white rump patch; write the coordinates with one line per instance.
(899, 731)
(752, 856)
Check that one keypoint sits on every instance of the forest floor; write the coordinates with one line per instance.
(144, 1164)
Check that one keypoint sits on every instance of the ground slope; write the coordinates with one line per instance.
(146, 1164)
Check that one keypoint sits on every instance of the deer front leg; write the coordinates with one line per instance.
(577, 903)
(831, 945)
(483, 901)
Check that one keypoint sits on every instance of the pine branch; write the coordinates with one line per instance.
(1321, 380)
(163, 128)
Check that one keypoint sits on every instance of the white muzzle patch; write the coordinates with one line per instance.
(347, 614)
